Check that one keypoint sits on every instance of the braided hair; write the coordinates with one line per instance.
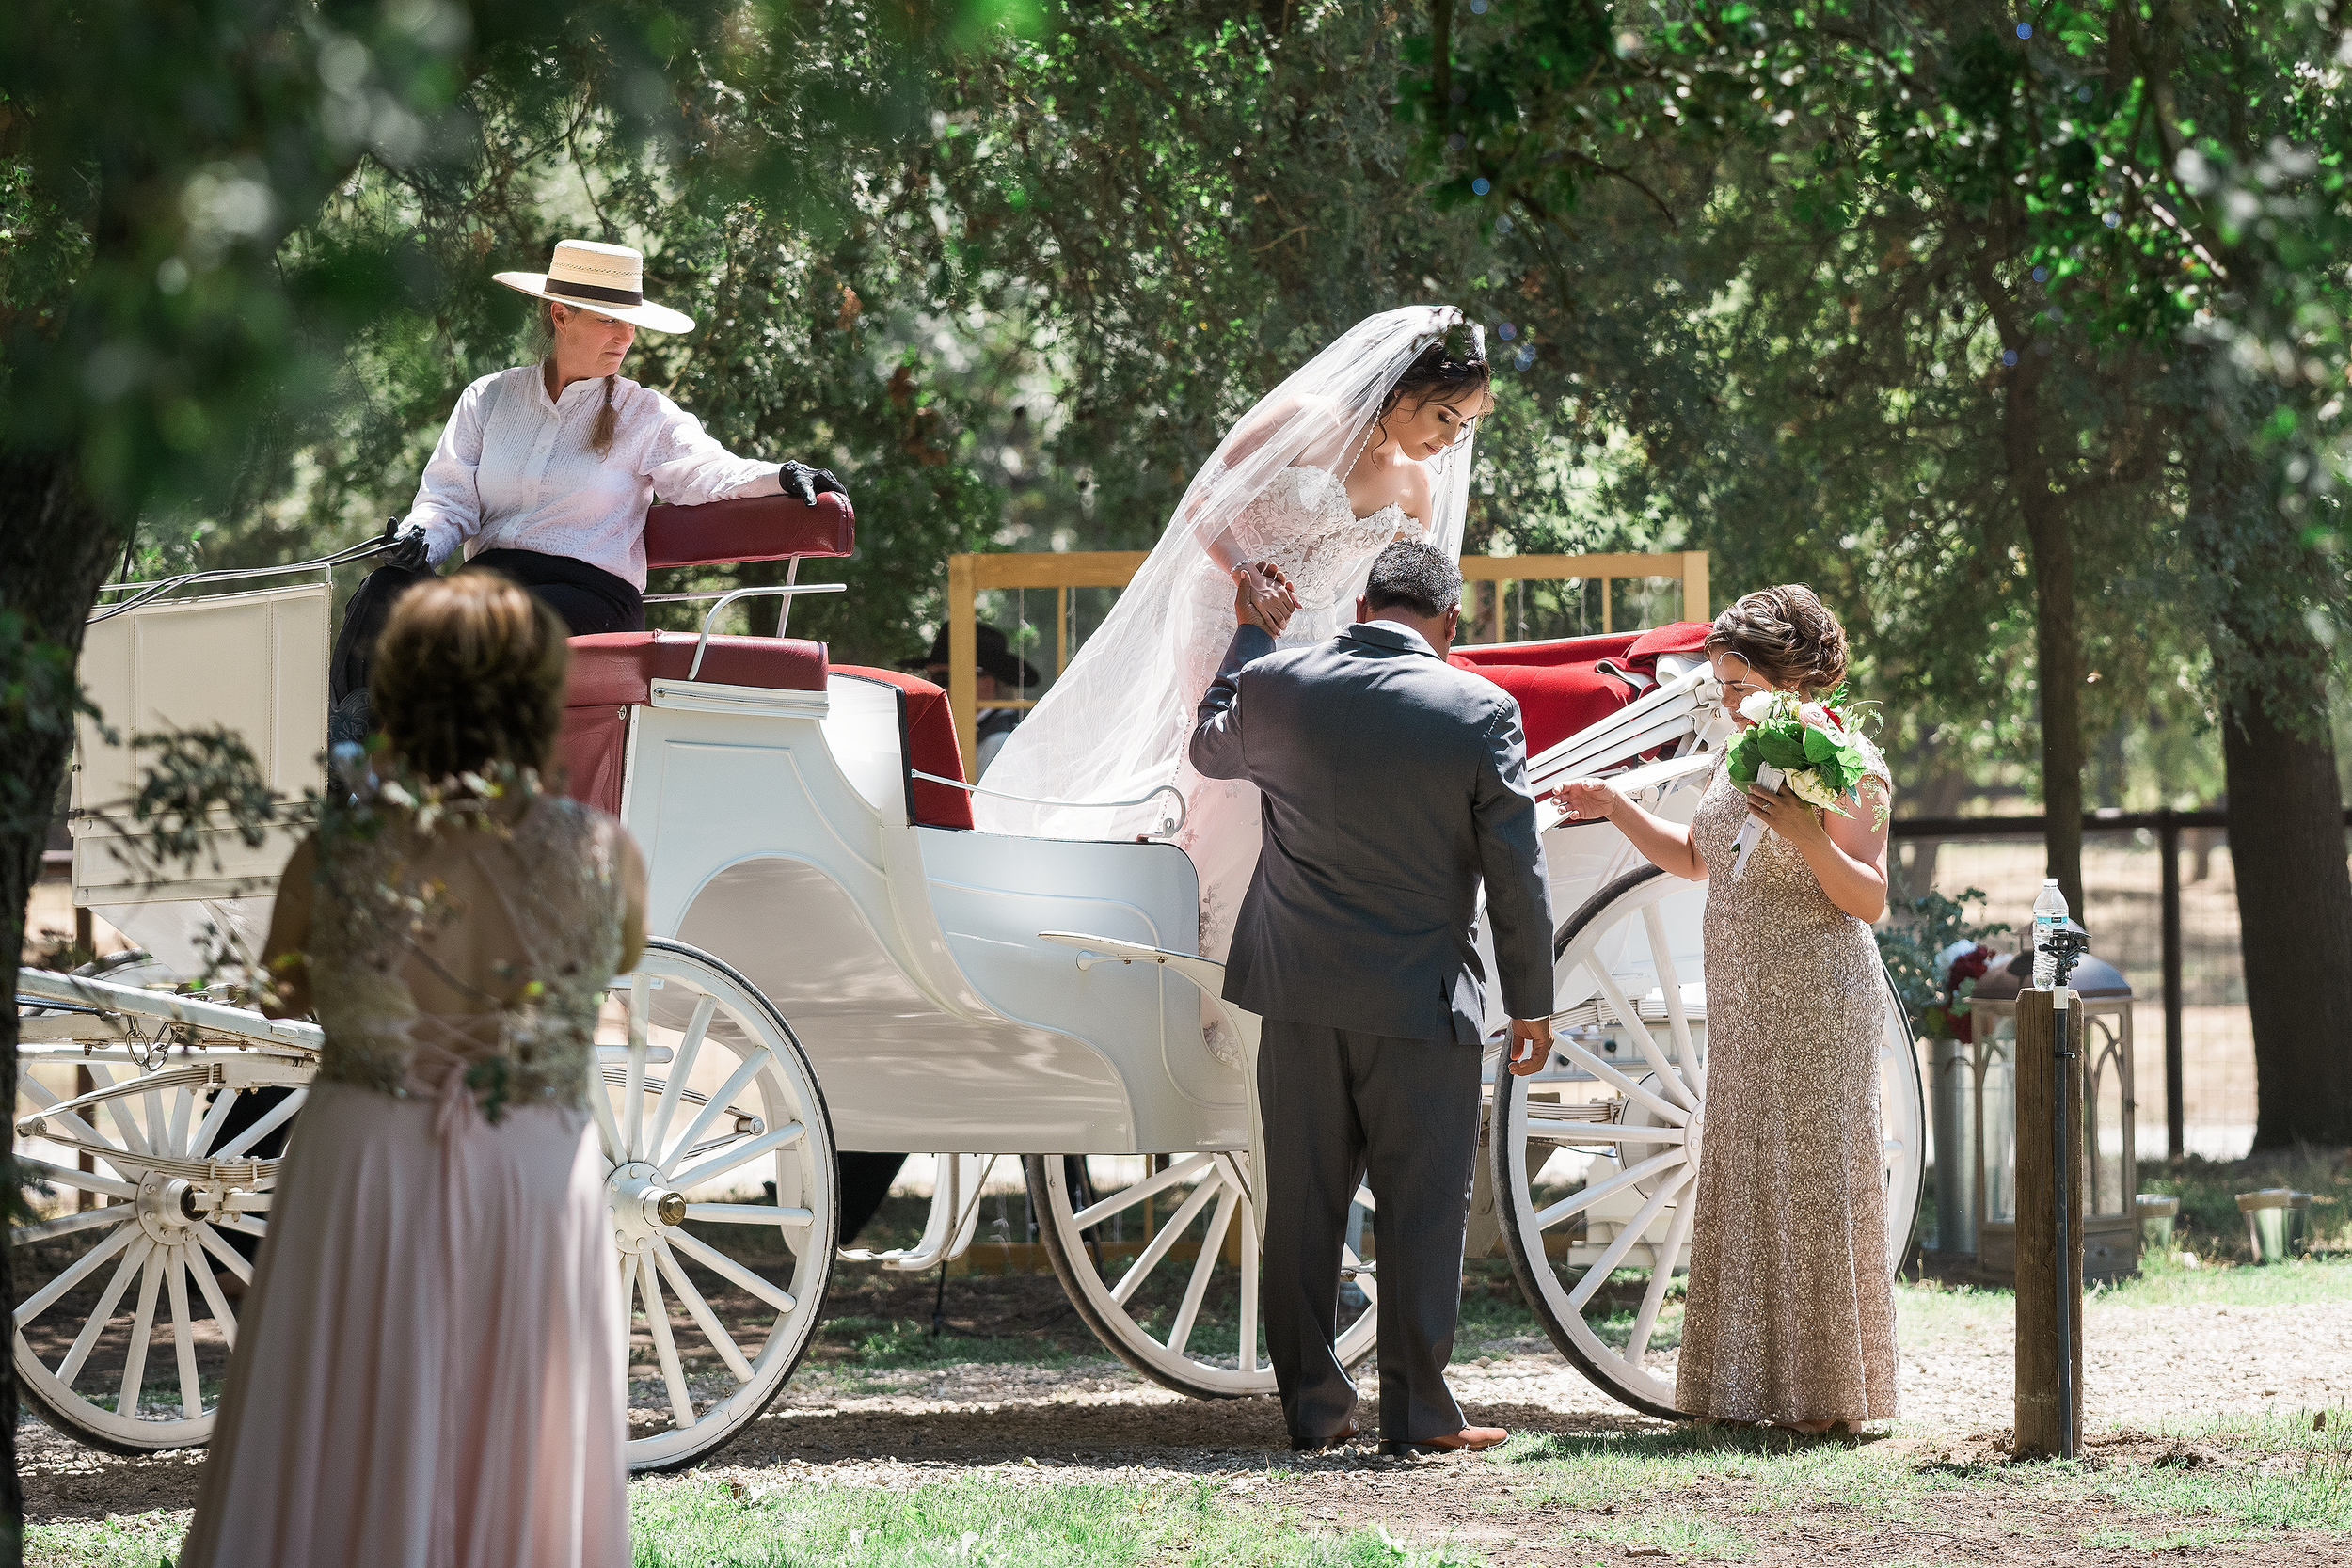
(607, 416)
(470, 673)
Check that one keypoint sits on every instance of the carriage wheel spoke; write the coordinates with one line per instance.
(229, 1256)
(132, 1260)
(727, 1268)
(1633, 1230)
(1670, 991)
(223, 1319)
(184, 1334)
(699, 1310)
(720, 1163)
(1630, 1016)
(1175, 1226)
(1369, 1284)
(681, 1067)
(1577, 1202)
(1151, 1186)
(1662, 1275)
(751, 1213)
(1675, 1115)
(278, 1116)
(87, 1264)
(1249, 1285)
(182, 1100)
(665, 1344)
(608, 1130)
(142, 1331)
(67, 1225)
(1212, 1247)
(215, 1117)
(633, 1076)
(751, 1067)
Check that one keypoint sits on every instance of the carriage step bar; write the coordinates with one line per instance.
(42, 988)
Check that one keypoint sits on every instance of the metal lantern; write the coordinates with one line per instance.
(1974, 1089)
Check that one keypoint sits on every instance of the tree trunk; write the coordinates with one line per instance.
(2057, 637)
(2285, 804)
(2295, 916)
(55, 551)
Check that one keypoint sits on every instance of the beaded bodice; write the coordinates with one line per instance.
(379, 904)
(1302, 521)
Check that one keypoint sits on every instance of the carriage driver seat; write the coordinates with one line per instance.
(615, 671)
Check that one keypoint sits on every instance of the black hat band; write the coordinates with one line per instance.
(595, 292)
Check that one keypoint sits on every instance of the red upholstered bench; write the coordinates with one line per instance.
(615, 671)
(1560, 686)
(926, 744)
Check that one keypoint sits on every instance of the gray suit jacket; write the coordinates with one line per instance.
(1393, 782)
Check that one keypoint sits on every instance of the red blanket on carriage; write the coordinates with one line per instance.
(1562, 686)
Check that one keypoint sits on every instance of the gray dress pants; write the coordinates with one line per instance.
(1340, 1106)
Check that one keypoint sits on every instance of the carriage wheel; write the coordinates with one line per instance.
(125, 1325)
(720, 1171)
(1159, 1254)
(1595, 1249)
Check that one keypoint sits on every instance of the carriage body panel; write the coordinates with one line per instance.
(907, 956)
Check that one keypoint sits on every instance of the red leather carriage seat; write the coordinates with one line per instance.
(613, 672)
(930, 746)
(1558, 685)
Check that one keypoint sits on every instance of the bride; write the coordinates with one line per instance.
(1369, 443)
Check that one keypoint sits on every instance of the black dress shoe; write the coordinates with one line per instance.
(1345, 1434)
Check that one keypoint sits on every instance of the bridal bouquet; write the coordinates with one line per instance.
(1811, 747)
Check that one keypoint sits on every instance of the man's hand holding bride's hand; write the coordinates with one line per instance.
(1530, 1045)
(1263, 597)
(1589, 799)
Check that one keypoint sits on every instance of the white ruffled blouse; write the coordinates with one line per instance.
(513, 470)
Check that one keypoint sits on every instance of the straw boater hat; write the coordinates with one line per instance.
(608, 279)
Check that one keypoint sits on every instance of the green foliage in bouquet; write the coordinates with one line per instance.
(1825, 762)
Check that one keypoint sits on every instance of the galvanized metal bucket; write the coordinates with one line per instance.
(2278, 1223)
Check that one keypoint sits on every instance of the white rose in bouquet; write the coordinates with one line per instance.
(1756, 706)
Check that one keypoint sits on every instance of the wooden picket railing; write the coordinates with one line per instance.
(1485, 580)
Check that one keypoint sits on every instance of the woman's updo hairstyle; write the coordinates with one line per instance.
(1447, 371)
(1786, 635)
(470, 673)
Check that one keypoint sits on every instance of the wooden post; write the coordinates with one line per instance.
(2049, 1229)
(963, 684)
(2169, 898)
(1695, 606)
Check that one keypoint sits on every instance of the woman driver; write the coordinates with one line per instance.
(545, 471)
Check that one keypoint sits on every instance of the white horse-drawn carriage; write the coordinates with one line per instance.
(841, 962)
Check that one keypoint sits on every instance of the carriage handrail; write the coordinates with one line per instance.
(374, 545)
(105, 996)
(1672, 709)
(1169, 830)
(784, 591)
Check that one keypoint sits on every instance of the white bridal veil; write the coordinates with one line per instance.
(1115, 726)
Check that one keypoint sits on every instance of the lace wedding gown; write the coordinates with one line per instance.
(1302, 523)
(428, 1371)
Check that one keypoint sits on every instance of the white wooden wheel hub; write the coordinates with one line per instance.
(644, 1206)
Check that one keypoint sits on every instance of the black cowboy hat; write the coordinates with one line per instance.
(991, 655)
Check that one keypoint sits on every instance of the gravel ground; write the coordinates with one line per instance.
(1095, 1419)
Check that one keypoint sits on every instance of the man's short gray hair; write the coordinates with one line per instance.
(1413, 575)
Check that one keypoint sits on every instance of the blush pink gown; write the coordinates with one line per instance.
(428, 1370)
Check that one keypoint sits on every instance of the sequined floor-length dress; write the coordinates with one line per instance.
(428, 1367)
(1792, 1311)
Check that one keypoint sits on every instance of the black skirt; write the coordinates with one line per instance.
(589, 598)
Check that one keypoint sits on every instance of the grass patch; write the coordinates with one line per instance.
(700, 1524)
(128, 1540)
(1686, 1535)
(1781, 1473)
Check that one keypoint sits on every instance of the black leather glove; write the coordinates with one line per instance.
(808, 483)
(404, 547)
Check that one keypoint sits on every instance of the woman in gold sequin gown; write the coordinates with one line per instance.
(1791, 1315)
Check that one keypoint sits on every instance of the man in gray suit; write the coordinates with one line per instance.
(1393, 784)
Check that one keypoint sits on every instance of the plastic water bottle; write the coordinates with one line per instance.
(2049, 917)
